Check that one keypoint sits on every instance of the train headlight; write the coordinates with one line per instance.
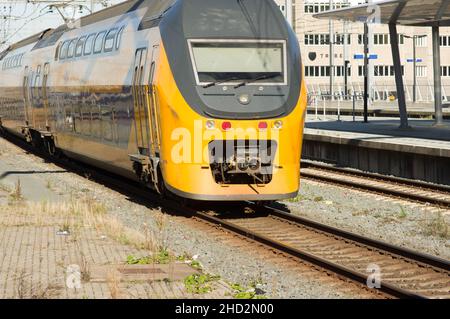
(210, 124)
(244, 99)
(277, 125)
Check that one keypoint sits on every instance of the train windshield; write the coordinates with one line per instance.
(226, 61)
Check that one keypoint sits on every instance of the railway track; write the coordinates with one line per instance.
(418, 191)
(404, 273)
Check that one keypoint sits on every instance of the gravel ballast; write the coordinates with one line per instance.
(335, 207)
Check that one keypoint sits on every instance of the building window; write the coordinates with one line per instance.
(324, 38)
(445, 70)
(444, 41)
(386, 70)
(360, 38)
(361, 70)
(421, 41)
(421, 71)
(324, 71)
(383, 39)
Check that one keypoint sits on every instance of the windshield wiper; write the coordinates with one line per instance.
(262, 77)
(219, 82)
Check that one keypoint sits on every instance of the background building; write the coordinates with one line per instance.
(314, 38)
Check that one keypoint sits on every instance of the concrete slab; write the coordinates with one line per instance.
(421, 138)
(152, 272)
(31, 187)
(380, 146)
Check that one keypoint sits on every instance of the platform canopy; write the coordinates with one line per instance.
(404, 12)
(418, 13)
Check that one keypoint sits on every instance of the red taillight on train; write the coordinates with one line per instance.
(226, 126)
(262, 125)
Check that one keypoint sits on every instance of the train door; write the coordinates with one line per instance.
(45, 93)
(26, 96)
(140, 105)
(153, 106)
(36, 106)
(145, 164)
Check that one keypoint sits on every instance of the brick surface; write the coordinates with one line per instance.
(34, 262)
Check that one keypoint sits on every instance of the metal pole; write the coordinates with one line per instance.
(354, 102)
(366, 72)
(398, 75)
(437, 76)
(331, 53)
(415, 71)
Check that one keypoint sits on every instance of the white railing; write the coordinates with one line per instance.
(379, 92)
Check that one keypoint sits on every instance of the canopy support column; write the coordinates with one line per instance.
(398, 75)
(437, 76)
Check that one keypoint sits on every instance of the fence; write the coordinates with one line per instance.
(379, 92)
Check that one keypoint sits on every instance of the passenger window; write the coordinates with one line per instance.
(71, 49)
(79, 47)
(57, 50)
(89, 43)
(99, 42)
(63, 52)
(119, 38)
(109, 41)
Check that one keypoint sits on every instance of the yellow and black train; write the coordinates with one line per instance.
(200, 98)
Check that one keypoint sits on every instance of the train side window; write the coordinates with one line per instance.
(71, 49)
(98, 44)
(89, 43)
(79, 46)
(109, 40)
(57, 51)
(63, 52)
(119, 38)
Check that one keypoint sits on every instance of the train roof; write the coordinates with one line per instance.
(49, 37)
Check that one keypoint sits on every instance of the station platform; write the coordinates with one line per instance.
(420, 152)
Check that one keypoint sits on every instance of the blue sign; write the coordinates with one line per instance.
(361, 56)
(412, 60)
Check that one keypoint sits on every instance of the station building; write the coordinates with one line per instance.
(314, 39)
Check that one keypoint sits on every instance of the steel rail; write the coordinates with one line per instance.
(414, 256)
(382, 179)
(358, 277)
(133, 188)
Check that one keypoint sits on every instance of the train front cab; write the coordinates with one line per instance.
(186, 160)
(226, 77)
